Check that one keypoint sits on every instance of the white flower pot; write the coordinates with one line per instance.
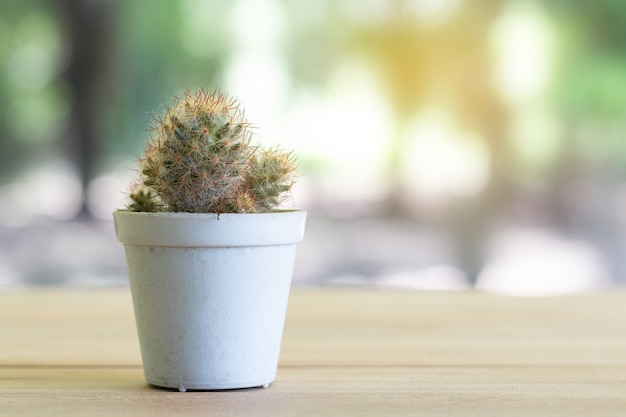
(210, 294)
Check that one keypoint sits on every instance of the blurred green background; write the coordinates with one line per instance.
(443, 143)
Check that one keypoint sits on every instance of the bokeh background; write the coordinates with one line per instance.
(443, 144)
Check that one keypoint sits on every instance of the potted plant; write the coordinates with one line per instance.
(209, 254)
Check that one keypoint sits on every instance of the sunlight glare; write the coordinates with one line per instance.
(109, 191)
(540, 263)
(53, 190)
(433, 12)
(348, 127)
(440, 161)
(523, 44)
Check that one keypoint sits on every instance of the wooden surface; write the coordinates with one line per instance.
(345, 352)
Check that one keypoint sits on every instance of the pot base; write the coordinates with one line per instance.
(181, 387)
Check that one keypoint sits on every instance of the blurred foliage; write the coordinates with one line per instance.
(550, 151)
(589, 89)
(156, 51)
(33, 102)
(151, 63)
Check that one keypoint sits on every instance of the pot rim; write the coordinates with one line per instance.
(177, 229)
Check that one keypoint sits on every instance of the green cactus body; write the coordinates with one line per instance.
(200, 159)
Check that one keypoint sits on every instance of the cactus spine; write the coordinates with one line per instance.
(200, 159)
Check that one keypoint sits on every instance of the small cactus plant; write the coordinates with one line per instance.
(200, 158)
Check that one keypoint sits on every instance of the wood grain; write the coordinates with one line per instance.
(345, 352)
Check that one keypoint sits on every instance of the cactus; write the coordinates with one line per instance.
(200, 158)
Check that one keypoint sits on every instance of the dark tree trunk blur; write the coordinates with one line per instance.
(87, 26)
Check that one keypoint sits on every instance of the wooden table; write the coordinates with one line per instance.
(345, 352)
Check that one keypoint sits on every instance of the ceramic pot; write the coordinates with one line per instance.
(210, 294)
